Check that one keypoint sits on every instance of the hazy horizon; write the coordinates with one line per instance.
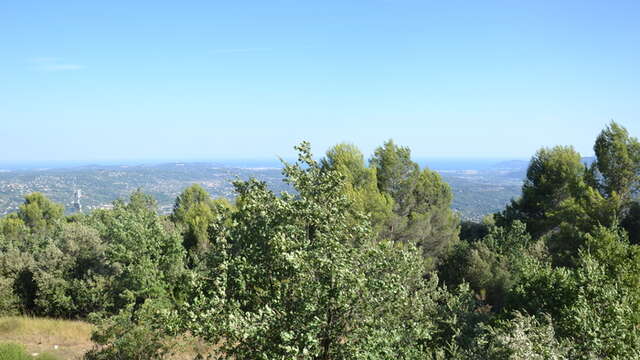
(434, 163)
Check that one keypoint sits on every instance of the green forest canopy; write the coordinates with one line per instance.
(365, 261)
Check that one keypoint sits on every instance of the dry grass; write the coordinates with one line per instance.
(187, 347)
(73, 338)
(64, 338)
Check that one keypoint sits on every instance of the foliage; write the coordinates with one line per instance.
(631, 222)
(594, 305)
(360, 185)
(13, 231)
(522, 337)
(395, 171)
(144, 253)
(617, 161)
(488, 265)
(422, 213)
(473, 231)
(69, 273)
(9, 302)
(133, 333)
(94, 264)
(293, 278)
(39, 213)
(553, 177)
(341, 267)
(194, 210)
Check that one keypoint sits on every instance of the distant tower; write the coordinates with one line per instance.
(76, 201)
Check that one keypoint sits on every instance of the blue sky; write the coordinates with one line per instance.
(122, 80)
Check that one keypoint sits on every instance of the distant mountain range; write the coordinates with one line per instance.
(480, 187)
(523, 164)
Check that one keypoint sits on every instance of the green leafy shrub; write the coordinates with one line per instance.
(136, 333)
(594, 305)
(9, 302)
(522, 337)
(294, 277)
(488, 265)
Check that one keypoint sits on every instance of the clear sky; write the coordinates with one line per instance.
(108, 80)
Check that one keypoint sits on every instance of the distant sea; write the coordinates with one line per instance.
(46, 165)
(465, 164)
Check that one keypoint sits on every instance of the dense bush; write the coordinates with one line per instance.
(344, 267)
(521, 337)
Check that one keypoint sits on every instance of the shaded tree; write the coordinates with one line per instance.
(194, 210)
(554, 176)
(396, 173)
(292, 277)
(422, 213)
(617, 161)
(145, 254)
(190, 197)
(360, 184)
(39, 213)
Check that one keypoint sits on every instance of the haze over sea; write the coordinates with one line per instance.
(432, 163)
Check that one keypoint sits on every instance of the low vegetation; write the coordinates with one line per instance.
(11, 351)
(51, 338)
(361, 261)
